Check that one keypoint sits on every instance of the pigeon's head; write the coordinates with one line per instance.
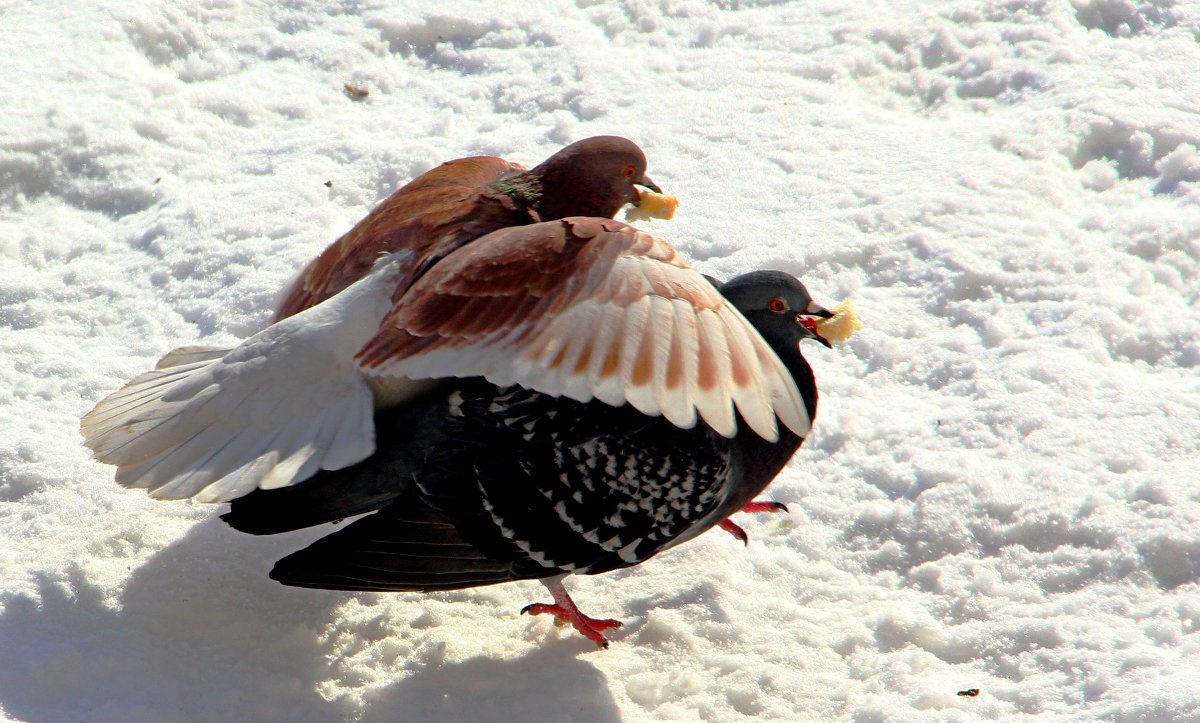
(778, 305)
(592, 177)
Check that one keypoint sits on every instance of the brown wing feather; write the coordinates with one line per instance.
(525, 274)
(432, 215)
(585, 307)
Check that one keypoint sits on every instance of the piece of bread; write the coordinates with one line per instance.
(652, 205)
(842, 325)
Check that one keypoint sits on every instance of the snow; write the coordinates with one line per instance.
(1001, 488)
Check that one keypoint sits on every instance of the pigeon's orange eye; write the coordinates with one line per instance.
(629, 171)
(778, 305)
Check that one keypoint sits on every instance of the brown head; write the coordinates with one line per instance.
(592, 177)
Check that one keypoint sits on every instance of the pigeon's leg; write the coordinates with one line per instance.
(734, 529)
(564, 611)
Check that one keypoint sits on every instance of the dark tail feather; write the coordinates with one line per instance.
(326, 497)
(329, 496)
(404, 547)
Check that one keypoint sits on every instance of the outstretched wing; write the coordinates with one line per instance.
(433, 214)
(218, 423)
(589, 308)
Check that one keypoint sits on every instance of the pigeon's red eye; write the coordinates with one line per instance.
(629, 171)
(777, 305)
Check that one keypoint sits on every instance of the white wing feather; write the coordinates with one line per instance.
(217, 423)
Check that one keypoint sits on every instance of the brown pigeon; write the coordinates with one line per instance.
(461, 200)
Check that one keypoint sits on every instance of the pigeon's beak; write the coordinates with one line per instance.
(807, 320)
(647, 183)
(815, 309)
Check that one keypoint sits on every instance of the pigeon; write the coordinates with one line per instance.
(583, 328)
(462, 200)
(478, 483)
(581, 307)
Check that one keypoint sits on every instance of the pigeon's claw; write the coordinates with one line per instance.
(765, 506)
(736, 530)
(564, 611)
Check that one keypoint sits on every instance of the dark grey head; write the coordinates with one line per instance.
(778, 305)
(592, 177)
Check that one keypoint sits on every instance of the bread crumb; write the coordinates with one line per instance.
(652, 205)
(842, 325)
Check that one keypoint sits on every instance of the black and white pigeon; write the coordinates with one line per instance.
(568, 396)
(478, 484)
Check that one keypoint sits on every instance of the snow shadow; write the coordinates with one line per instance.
(201, 634)
(548, 684)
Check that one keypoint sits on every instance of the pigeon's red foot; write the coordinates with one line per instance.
(734, 529)
(564, 611)
(768, 506)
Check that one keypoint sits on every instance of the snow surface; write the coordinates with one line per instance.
(1002, 490)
